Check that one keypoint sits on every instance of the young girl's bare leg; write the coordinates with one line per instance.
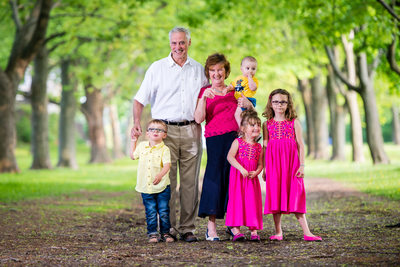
(237, 115)
(278, 226)
(301, 218)
(235, 230)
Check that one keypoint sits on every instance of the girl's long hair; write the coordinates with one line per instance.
(249, 116)
(290, 113)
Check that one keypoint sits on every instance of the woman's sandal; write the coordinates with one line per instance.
(168, 238)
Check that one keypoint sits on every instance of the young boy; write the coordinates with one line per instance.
(153, 179)
(246, 83)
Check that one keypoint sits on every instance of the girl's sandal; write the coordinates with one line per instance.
(255, 238)
(238, 237)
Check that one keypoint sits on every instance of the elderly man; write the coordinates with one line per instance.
(171, 86)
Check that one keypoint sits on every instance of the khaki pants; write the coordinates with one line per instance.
(185, 145)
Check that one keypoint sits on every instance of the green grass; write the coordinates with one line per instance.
(28, 184)
(380, 180)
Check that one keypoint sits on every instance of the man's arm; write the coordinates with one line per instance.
(137, 114)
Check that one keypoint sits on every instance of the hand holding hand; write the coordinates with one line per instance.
(264, 176)
(136, 131)
(252, 174)
(244, 172)
(243, 102)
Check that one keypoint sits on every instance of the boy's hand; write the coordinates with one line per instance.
(157, 179)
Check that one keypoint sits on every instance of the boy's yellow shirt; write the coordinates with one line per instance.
(244, 82)
(151, 161)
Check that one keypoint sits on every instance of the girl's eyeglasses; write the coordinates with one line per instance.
(156, 130)
(275, 102)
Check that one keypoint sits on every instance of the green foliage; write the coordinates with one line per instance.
(23, 123)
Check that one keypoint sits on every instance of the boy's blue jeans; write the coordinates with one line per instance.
(154, 204)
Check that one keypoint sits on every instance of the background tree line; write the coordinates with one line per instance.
(339, 58)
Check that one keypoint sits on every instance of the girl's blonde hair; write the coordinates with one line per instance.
(290, 113)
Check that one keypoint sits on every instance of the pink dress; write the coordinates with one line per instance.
(245, 201)
(285, 192)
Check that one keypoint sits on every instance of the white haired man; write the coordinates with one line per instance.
(171, 86)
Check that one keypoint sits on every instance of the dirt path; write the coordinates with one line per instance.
(353, 226)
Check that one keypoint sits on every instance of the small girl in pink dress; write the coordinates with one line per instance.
(245, 202)
(284, 163)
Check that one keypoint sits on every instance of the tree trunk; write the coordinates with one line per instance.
(8, 162)
(66, 142)
(374, 130)
(29, 37)
(351, 100)
(93, 111)
(396, 125)
(318, 108)
(356, 126)
(337, 118)
(304, 88)
(40, 138)
(116, 132)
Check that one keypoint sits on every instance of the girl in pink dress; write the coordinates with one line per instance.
(245, 203)
(284, 163)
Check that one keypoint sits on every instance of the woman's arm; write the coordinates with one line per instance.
(232, 160)
(243, 102)
(300, 147)
(200, 112)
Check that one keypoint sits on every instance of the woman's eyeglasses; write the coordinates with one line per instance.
(156, 130)
(275, 102)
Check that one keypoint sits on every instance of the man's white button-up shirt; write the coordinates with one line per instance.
(172, 90)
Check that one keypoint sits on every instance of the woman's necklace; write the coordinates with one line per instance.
(218, 91)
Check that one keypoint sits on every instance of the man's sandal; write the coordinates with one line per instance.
(168, 238)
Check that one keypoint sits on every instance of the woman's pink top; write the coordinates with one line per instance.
(220, 114)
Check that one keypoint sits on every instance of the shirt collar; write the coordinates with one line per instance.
(172, 63)
(156, 146)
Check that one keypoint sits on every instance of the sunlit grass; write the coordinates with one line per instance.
(381, 180)
(117, 176)
(120, 176)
